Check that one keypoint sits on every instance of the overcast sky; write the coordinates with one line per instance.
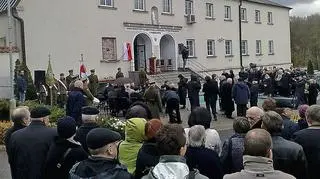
(302, 7)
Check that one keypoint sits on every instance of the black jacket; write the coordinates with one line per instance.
(194, 87)
(8, 134)
(289, 157)
(310, 141)
(28, 150)
(206, 161)
(148, 157)
(56, 155)
(75, 102)
(96, 167)
(211, 90)
(81, 134)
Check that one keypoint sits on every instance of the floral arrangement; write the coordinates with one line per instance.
(112, 123)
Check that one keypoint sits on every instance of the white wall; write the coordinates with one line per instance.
(5, 73)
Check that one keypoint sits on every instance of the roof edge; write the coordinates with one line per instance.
(274, 5)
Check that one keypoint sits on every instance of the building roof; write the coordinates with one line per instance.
(268, 2)
(4, 4)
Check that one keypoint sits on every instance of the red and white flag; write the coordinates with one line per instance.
(83, 71)
(127, 50)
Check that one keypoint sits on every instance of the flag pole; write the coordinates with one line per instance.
(50, 87)
(81, 62)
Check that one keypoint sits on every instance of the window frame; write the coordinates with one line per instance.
(209, 7)
(105, 3)
(257, 14)
(244, 14)
(271, 47)
(114, 47)
(137, 4)
(191, 49)
(245, 47)
(169, 6)
(258, 47)
(187, 8)
(270, 18)
(230, 47)
(212, 49)
(227, 11)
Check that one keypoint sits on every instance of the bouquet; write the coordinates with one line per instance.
(113, 123)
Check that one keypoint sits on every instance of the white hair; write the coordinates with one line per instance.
(229, 80)
(88, 118)
(196, 136)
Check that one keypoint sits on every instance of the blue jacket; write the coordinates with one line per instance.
(21, 84)
(170, 94)
(241, 93)
(75, 103)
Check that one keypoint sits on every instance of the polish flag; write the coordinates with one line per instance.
(127, 51)
(83, 71)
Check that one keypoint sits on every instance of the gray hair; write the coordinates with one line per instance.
(88, 118)
(229, 80)
(99, 151)
(272, 122)
(78, 84)
(313, 113)
(20, 114)
(197, 135)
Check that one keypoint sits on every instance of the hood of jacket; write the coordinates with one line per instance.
(174, 167)
(135, 130)
(240, 85)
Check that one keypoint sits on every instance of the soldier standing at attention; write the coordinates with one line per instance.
(69, 79)
(93, 83)
(119, 74)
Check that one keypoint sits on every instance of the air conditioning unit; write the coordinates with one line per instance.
(191, 18)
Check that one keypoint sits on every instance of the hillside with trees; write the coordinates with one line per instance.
(305, 40)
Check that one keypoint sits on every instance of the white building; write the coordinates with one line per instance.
(154, 28)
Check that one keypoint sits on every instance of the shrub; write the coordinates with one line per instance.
(4, 109)
(4, 126)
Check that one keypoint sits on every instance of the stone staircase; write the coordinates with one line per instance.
(171, 77)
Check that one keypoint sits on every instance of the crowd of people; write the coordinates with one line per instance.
(266, 144)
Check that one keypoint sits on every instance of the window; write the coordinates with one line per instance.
(189, 7)
(109, 49)
(209, 11)
(244, 47)
(270, 21)
(243, 14)
(211, 47)
(227, 12)
(271, 47)
(106, 3)
(167, 6)
(228, 44)
(258, 19)
(3, 42)
(191, 47)
(258, 47)
(139, 4)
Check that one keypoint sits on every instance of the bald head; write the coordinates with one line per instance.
(258, 143)
(254, 114)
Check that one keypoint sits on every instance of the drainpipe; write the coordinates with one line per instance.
(23, 40)
(240, 33)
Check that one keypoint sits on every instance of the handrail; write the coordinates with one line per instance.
(198, 68)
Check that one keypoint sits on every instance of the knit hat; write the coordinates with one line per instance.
(302, 110)
(152, 127)
(66, 127)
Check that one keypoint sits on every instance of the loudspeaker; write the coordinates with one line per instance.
(39, 78)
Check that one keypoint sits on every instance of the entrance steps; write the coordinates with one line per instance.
(171, 77)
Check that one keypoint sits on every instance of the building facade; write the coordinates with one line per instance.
(103, 30)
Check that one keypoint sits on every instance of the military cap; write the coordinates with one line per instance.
(71, 70)
(100, 137)
(39, 112)
(89, 110)
(61, 74)
(92, 70)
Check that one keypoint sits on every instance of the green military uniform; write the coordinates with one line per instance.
(93, 83)
(153, 100)
(142, 77)
(69, 79)
(62, 91)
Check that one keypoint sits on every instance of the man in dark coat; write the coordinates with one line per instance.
(64, 152)
(287, 155)
(211, 91)
(20, 118)
(69, 79)
(194, 87)
(29, 146)
(89, 115)
(182, 90)
(153, 100)
(313, 92)
(93, 83)
(300, 91)
(241, 96)
(103, 163)
(310, 141)
(171, 99)
(75, 102)
(226, 95)
(254, 93)
(21, 86)
(119, 74)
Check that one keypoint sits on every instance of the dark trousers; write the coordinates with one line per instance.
(173, 105)
(241, 110)
(254, 101)
(211, 103)
(194, 102)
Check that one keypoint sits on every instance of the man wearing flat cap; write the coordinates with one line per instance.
(29, 146)
(103, 162)
(89, 122)
(93, 83)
